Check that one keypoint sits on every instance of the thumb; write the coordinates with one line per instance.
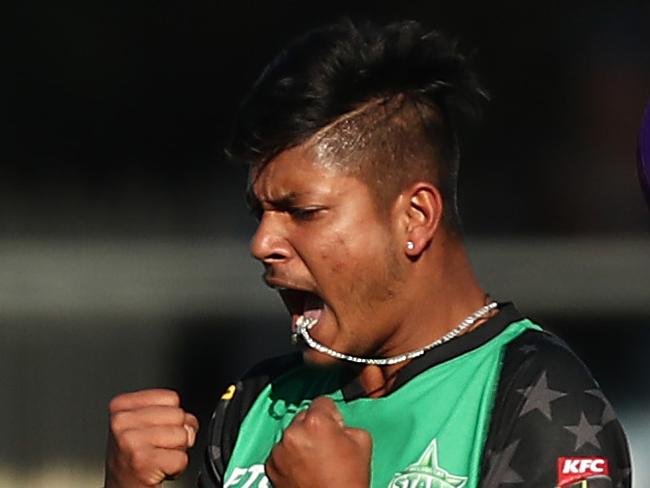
(191, 435)
(191, 425)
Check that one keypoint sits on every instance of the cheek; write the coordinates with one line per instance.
(362, 267)
(334, 252)
(381, 271)
(349, 253)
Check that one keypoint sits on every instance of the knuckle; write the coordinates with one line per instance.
(323, 404)
(172, 396)
(367, 438)
(172, 416)
(364, 439)
(128, 440)
(300, 416)
(178, 436)
(116, 403)
(147, 478)
(140, 461)
(290, 437)
(119, 421)
(322, 401)
(178, 416)
(174, 463)
(313, 421)
(181, 462)
(170, 437)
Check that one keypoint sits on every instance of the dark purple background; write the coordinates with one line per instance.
(644, 154)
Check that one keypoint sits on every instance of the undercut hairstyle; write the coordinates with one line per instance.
(381, 102)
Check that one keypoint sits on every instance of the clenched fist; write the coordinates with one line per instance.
(318, 450)
(149, 436)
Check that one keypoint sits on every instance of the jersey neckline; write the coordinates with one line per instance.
(508, 314)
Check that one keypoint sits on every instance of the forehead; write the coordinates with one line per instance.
(298, 171)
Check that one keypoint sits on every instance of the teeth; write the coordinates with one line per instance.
(305, 323)
(302, 323)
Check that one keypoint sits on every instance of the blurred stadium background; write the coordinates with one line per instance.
(123, 233)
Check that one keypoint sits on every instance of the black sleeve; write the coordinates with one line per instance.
(229, 414)
(551, 425)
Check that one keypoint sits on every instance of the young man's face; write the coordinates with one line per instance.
(330, 251)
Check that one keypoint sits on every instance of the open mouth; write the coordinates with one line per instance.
(302, 303)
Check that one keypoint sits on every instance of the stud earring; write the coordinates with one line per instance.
(410, 245)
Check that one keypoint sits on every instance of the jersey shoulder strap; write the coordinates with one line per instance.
(231, 410)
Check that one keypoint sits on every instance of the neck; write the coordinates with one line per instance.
(377, 381)
(442, 291)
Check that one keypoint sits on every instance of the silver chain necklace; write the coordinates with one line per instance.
(304, 324)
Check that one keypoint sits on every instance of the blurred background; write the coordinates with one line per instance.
(123, 232)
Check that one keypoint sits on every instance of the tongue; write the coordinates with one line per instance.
(313, 307)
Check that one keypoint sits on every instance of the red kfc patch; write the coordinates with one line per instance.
(571, 470)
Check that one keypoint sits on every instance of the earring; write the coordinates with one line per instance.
(410, 245)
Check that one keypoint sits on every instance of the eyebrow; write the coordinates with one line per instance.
(284, 202)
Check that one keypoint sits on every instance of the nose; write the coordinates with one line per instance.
(269, 244)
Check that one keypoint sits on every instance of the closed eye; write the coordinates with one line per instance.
(305, 213)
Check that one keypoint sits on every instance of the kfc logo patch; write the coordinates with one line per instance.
(572, 470)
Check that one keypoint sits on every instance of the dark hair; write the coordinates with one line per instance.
(334, 70)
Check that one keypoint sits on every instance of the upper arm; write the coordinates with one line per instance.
(547, 412)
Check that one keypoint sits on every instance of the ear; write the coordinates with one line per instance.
(422, 215)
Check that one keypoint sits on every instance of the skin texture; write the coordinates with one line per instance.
(323, 231)
(149, 436)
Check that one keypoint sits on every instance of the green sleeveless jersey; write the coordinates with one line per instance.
(506, 405)
(429, 433)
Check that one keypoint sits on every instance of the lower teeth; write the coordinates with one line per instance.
(303, 323)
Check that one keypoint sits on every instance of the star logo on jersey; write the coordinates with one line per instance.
(427, 473)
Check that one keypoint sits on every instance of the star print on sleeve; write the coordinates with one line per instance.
(608, 411)
(548, 407)
(539, 397)
(585, 432)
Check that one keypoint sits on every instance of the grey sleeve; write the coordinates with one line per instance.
(551, 424)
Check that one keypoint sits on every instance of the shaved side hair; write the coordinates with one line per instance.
(382, 103)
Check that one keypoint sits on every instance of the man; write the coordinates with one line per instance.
(409, 375)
